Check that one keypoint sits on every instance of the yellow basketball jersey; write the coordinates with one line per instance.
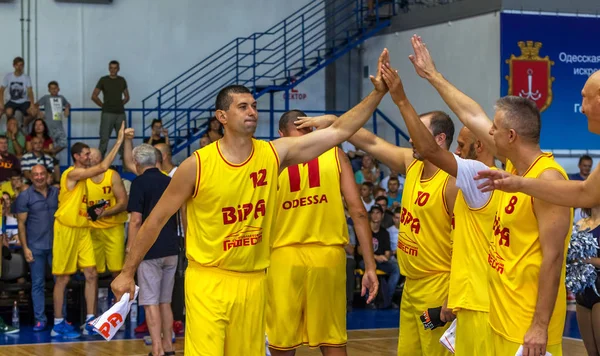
(104, 190)
(515, 258)
(232, 211)
(424, 246)
(471, 238)
(310, 204)
(72, 204)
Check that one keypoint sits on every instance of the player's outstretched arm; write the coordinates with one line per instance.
(128, 151)
(295, 150)
(85, 173)
(469, 112)
(554, 224)
(359, 216)
(179, 190)
(580, 194)
(396, 158)
(422, 138)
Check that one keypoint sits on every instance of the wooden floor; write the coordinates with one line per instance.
(376, 342)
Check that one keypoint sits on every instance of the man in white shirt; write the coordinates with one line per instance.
(20, 94)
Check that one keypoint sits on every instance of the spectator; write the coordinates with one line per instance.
(215, 130)
(366, 194)
(384, 181)
(353, 154)
(20, 93)
(116, 95)
(388, 217)
(369, 172)
(9, 218)
(35, 209)
(585, 167)
(393, 231)
(383, 254)
(40, 129)
(350, 267)
(16, 139)
(56, 108)
(159, 134)
(14, 186)
(9, 163)
(394, 195)
(204, 141)
(156, 274)
(35, 157)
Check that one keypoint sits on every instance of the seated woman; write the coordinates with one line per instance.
(40, 129)
(588, 307)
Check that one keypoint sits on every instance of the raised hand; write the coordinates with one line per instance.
(393, 82)
(121, 132)
(377, 81)
(129, 133)
(422, 60)
(498, 180)
(318, 122)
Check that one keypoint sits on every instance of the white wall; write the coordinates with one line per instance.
(466, 52)
(153, 40)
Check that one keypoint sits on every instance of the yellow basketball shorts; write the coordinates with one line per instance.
(109, 248)
(72, 249)
(473, 333)
(306, 301)
(503, 347)
(225, 312)
(418, 296)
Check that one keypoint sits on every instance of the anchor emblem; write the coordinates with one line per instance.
(529, 94)
(529, 75)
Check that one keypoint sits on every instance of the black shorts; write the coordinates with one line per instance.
(19, 107)
(588, 297)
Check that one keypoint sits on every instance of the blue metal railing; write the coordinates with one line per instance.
(180, 138)
(277, 59)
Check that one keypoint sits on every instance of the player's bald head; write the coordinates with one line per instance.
(164, 149)
(590, 103)
(286, 122)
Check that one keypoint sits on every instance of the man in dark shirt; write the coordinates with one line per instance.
(115, 95)
(383, 254)
(156, 274)
(585, 167)
(35, 208)
(9, 163)
(158, 135)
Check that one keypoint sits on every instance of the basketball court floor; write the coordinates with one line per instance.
(370, 332)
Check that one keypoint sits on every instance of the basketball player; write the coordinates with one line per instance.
(424, 248)
(230, 188)
(472, 228)
(72, 241)
(565, 193)
(108, 231)
(530, 235)
(307, 277)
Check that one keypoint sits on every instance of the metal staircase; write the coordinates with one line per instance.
(275, 60)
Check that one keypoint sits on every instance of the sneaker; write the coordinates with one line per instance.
(142, 328)
(7, 329)
(88, 329)
(65, 331)
(39, 326)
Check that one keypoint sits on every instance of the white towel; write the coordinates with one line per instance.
(520, 352)
(449, 337)
(109, 323)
